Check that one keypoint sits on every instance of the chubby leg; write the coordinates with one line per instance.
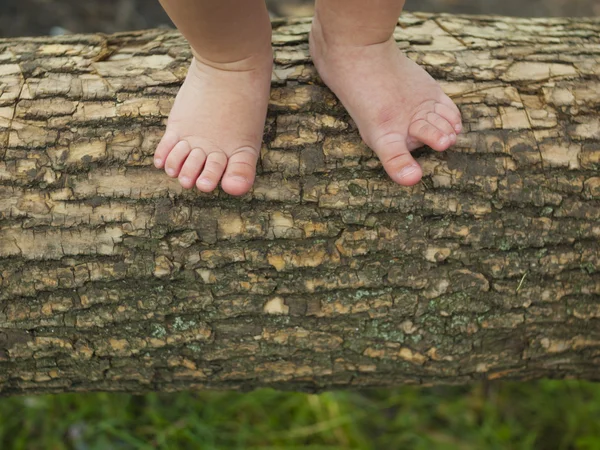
(397, 106)
(215, 128)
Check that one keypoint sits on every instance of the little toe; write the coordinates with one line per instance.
(397, 161)
(192, 167)
(212, 172)
(240, 172)
(441, 124)
(164, 147)
(176, 158)
(452, 115)
(422, 131)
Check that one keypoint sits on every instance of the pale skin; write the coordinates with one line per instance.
(214, 131)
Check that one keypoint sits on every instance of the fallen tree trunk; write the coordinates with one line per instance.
(327, 274)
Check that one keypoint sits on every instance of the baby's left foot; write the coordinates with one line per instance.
(396, 104)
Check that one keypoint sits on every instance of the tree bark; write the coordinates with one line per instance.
(327, 275)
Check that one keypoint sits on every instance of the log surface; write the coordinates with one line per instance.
(327, 274)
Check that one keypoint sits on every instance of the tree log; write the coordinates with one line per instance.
(327, 274)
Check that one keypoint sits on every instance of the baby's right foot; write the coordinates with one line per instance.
(215, 128)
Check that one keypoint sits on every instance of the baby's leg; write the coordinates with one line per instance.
(397, 106)
(215, 128)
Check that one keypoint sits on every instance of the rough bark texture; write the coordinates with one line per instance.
(327, 274)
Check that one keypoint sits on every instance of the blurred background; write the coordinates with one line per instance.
(41, 17)
(543, 415)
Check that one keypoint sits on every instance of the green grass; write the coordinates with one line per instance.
(552, 415)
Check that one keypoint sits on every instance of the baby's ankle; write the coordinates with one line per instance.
(258, 56)
(333, 31)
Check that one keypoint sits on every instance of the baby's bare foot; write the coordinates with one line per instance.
(397, 106)
(216, 125)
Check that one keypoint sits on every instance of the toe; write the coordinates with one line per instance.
(164, 147)
(423, 131)
(240, 172)
(397, 160)
(212, 172)
(176, 158)
(192, 167)
(451, 114)
(441, 124)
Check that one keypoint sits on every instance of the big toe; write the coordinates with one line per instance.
(241, 171)
(397, 160)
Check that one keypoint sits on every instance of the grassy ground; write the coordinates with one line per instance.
(551, 415)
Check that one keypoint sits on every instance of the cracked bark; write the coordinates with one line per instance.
(112, 277)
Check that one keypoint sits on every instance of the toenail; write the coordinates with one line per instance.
(408, 170)
(185, 180)
(158, 161)
(458, 127)
(453, 137)
(171, 171)
(204, 181)
(239, 179)
(444, 140)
